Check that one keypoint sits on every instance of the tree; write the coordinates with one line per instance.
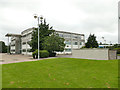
(116, 46)
(91, 42)
(44, 31)
(3, 47)
(100, 43)
(53, 43)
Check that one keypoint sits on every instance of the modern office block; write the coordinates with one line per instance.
(19, 43)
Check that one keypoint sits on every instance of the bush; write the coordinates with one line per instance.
(83, 47)
(118, 51)
(52, 54)
(42, 54)
(34, 55)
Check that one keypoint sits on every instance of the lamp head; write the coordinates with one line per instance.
(41, 17)
(35, 16)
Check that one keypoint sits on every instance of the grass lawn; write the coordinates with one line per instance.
(61, 73)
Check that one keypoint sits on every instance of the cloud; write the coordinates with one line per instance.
(80, 16)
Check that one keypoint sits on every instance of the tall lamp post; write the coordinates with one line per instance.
(104, 40)
(38, 17)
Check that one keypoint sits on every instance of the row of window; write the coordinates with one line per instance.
(68, 50)
(66, 42)
(25, 42)
(12, 44)
(12, 50)
(69, 36)
(24, 50)
(74, 43)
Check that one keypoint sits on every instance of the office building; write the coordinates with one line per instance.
(19, 42)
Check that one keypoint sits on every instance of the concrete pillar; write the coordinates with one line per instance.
(78, 42)
(8, 46)
(26, 44)
(21, 45)
(65, 40)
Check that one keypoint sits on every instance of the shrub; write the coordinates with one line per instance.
(34, 55)
(42, 54)
(118, 51)
(52, 54)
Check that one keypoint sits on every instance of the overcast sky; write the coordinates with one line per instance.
(99, 17)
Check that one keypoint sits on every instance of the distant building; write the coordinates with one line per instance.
(104, 46)
(19, 42)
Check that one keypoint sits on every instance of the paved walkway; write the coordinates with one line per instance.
(118, 57)
(7, 58)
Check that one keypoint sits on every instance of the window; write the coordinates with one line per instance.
(24, 43)
(12, 50)
(68, 42)
(12, 44)
(67, 35)
(75, 36)
(28, 42)
(75, 43)
(61, 35)
(79, 37)
(80, 43)
(67, 50)
(24, 50)
(28, 50)
(82, 37)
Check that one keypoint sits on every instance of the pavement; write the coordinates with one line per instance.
(16, 58)
(118, 57)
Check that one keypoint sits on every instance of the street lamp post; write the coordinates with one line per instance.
(104, 41)
(35, 16)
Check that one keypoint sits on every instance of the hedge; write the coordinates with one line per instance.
(42, 54)
(52, 54)
(118, 50)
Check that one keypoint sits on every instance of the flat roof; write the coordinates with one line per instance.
(69, 32)
(55, 31)
(19, 35)
(29, 29)
(15, 35)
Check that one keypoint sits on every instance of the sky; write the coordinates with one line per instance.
(99, 17)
